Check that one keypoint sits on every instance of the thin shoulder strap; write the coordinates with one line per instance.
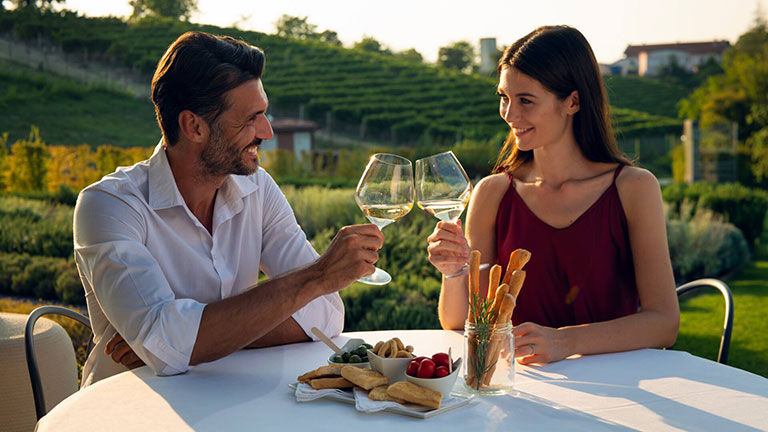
(617, 171)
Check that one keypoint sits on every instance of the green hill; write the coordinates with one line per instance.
(391, 99)
(70, 113)
(645, 94)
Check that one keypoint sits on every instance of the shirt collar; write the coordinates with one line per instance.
(163, 192)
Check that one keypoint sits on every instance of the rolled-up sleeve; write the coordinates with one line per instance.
(129, 284)
(285, 248)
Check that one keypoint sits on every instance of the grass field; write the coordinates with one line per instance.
(701, 318)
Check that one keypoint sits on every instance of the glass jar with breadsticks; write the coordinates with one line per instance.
(489, 366)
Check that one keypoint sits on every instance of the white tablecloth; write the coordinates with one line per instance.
(640, 390)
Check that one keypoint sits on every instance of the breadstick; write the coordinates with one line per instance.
(506, 309)
(494, 348)
(517, 260)
(474, 281)
(500, 292)
(516, 284)
(493, 281)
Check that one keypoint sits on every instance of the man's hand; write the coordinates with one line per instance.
(118, 349)
(351, 255)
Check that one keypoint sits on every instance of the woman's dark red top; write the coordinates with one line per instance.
(579, 274)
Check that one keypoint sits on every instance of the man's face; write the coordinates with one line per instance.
(236, 134)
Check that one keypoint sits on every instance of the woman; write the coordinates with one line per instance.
(600, 278)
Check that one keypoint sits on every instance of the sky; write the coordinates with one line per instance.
(426, 25)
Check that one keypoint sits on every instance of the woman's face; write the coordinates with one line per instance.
(536, 115)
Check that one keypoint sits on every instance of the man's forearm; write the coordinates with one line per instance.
(286, 332)
(233, 323)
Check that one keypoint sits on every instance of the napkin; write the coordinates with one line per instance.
(305, 393)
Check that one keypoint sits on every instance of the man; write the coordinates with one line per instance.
(169, 249)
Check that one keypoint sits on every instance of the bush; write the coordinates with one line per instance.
(35, 227)
(69, 289)
(743, 207)
(38, 278)
(10, 265)
(702, 245)
(317, 208)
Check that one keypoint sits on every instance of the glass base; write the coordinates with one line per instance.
(379, 277)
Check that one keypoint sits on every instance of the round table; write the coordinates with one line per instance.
(249, 390)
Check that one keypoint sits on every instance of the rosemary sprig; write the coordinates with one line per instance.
(484, 316)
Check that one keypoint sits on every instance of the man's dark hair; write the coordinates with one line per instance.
(195, 73)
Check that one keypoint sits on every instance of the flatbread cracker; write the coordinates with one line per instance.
(322, 371)
(330, 383)
(417, 394)
(380, 394)
(364, 378)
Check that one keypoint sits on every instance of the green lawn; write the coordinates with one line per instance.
(701, 318)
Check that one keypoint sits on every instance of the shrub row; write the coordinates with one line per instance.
(743, 207)
(702, 245)
(48, 278)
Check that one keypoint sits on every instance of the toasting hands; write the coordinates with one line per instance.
(448, 248)
(351, 255)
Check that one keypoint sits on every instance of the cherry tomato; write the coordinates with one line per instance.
(426, 368)
(440, 359)
(419, 359)
(441, 371)
(413, 368)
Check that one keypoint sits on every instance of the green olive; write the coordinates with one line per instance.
(361, 351)
(337, 359)
(368, 346)
(354, 358)
(345, 357)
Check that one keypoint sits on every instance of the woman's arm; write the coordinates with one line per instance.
(657, 323)
(480, 235)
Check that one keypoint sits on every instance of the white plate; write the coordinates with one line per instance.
(457, 400)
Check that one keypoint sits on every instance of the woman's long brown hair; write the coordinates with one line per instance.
(560, 58)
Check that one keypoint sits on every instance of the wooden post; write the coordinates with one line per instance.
(691, 141)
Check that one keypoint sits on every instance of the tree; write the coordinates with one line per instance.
(174, 9)
(739, 94)
(295, 27)
(27, 164)
(368, 43)
(459, 55)
(37, 4)
(330, 36)
(410, 55)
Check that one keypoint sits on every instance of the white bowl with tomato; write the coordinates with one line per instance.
(434, 372)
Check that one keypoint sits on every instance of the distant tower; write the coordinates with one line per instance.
(488, 58)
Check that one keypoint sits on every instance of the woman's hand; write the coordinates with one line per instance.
(448, 248)
(539, 344)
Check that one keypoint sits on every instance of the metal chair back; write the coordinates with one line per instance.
(725, 339)
(29, 346)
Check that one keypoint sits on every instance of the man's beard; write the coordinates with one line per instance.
(220, 158)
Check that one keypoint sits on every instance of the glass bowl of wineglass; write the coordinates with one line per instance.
(385, 194)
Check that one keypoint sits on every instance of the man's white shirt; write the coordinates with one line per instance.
(149, 266)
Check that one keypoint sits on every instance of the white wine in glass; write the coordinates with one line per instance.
(442, 186)
(385, 194)
(443, 189)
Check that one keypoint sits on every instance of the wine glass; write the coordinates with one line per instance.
(385, 194)
(442, 186)
(443, 189)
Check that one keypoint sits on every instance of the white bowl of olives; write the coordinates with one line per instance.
(355, 354)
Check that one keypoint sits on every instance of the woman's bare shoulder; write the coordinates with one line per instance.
(638, 188)
(493, 185)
